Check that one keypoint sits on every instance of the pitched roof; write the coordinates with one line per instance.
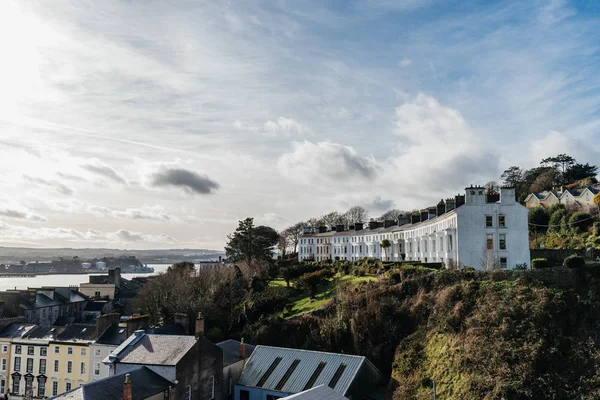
(319, 393)
(144, 383)
(272, 368)
(231, 351)
(16, 330)
(78, 333)
(151, 349)
(114, 335)
(45, 332)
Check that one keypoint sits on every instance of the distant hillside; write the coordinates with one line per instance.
(16, 254)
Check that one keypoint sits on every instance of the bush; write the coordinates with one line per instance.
(581, 221)
(539, 218)
(597, 227)
(574, 261)
(312, 280)
(540, 263)
(558, 219)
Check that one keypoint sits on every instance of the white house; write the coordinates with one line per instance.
(473, 230)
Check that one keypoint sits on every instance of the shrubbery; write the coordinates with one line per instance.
(574, 261)
(540, 263)
(581, 221)
(312, 280)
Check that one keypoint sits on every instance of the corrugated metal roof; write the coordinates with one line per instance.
(319, 393)
(264, 356)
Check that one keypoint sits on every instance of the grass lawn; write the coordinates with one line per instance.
(278, 282)
(304, 303)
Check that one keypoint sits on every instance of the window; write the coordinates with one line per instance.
(18, 349)
(54, 388)
(503, 262)
(55, 365)
(244, 395)
(5, 349)
(30, 365)
(83, 351)
(43, 351)
(30, 350)
(96, 294)
(82, 369)
(56, 350)
(315, 375)
(188, 392)
(336, 377)
(16, 380)
(212, 387)
(502, 241)
(69, 367)
(489, 222)
(43, 366)
(4, 364)
(98, 352)
(41, 386)
(2, 385)
(17, 364)
(97, 369)
(67, 386)
(489, 240)
(69, 350)
(501, 221)
(28, 383)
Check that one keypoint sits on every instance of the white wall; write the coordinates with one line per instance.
(98, 353)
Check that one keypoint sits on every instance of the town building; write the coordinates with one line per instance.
(12, 328)
(580, 198)
(112, 335)
(140, 383)
(476, 230)
(29, 364)
(235, 354)
(274, 372)
(45, 306)
(193, 362)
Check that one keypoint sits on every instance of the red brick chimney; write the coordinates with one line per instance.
(199, 325)
(243, 349)
(127, 392)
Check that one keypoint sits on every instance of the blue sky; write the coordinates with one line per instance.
(160, 124)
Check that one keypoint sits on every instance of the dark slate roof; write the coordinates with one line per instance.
(62, 296)
(151, 349)
(144, 383)
(263, 359)
(95, 305)
(171, 329)
(322, 392)
(16, 330)
(114, 335)
(231, 351)
(64, 320)
(47, 332)
(78, 332)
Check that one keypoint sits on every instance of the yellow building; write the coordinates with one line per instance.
(69, 358)
(14, 328)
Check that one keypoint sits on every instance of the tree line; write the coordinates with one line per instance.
(560, 170)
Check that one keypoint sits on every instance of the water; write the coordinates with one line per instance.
(65, 279)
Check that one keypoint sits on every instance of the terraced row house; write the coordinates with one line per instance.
(581, 198)
(474, 229)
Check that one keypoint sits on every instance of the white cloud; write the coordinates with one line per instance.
(405, 62)
(327, 163)
(555, 143)
(286, 127)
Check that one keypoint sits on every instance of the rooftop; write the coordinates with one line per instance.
(294, 371)
(152, 349)
(78, 333)
(144, 383)
(231, 351)
(319, 393)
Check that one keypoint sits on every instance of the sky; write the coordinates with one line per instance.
(160, 124)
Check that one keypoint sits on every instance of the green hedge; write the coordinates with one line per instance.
(540, 263)
(574, 261)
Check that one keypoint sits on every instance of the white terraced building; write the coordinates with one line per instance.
(477, 230)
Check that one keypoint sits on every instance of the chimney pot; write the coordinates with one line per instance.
(199, 325)
(127, 392)
(243, 349)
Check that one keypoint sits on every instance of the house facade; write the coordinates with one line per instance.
(583, 197)
(473, 230)
(235, 355)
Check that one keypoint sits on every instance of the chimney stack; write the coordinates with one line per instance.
(243, 349)
(199, 325)
(127, 392)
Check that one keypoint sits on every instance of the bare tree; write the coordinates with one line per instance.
(332, 219)
(356, 214)
(489, 261)
(391, 215)
(314, 223)
(293, 234)
(492, 188)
